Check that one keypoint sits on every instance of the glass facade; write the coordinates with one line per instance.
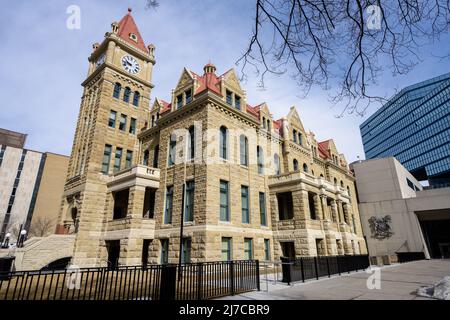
(414, 127)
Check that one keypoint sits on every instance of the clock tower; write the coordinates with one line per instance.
(114, 108)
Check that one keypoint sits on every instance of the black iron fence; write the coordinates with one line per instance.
(410, 256)
(304, 268)
(193, 281)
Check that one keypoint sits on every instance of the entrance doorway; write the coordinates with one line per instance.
(437, 237)
(288, 249)
(113, 248)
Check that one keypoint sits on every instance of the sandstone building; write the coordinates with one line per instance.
(244, 184)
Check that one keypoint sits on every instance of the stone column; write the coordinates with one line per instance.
(136, 202)
(340, 213)
(323, 201)
(300, 204)
(318, 207)
(334, 211)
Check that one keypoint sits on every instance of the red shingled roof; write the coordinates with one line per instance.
(277, 126)
(252, 110)
(323, 149)
(165, 106)
(208, 81)
(127, 26)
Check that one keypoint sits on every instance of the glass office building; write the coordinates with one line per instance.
(414, 127)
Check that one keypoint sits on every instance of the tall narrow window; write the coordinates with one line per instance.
(248, 249)
(155, 156)
(223, 142)
(226, 249)
(186, 252)
(300, 138)
(169, 203)
(245, 205)
(132, 126)
(267, 249)
(191, 143)
(117, 89)
(128, 159)
(172, 149)
(126, 94)
(118, 159)
(294, 135)
(237, 102)
(188, 96)
(164, 251)
(295, 164)
(189, 201)
(112, 119)
(229, 97)
(106, 159)
(276, 161)
(262, 208)
(179, 101)
(224, 210)
(305, 167)
(260, 159)
(264, 122)
(123, 122)
(145, 158)
(268, 124)
(243, 142)
(136, 97)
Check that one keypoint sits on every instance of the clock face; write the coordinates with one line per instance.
(130, 64)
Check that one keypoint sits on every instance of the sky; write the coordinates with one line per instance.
(43, 64)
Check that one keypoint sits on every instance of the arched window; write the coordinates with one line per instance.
(276, 160)
(295, 163)
(117, 88)
(348, 191)
(243, 147)
(126, 94)
(172, 149)
(136, 98)
(335, 181)
(260, 159)
(305, 167)
(342, 184)
(268, 124)
(321, 175)
(264, 122)
(145, 158)
(155, 156)
(312, 172)
(223, 142)
(191, 143)
(300, 138)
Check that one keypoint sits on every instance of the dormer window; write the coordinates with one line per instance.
(264, 123)
(237, 102)
(294, 135)
(133, 37)
(179, 101)
(188, 96)
(229, 97)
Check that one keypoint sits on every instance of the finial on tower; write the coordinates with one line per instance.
(129, 10)
(209, 68)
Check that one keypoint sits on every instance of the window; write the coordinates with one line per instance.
(237, 102)
(268, 124)
(123, 122)
(153, 121)
(300, 138)
(223, 142)
(276, 161)
(117, 159)
(106, 159)
(312, 207)
(342, 184)
(117, 89)
(128, 159)
(132, 126)
(260, 159)
(145, 158)
(295, 164)
(126, 95)
(112, 119)
(189, 201)
(226, 249)
(188, 96)
(191, 143)
(262, 208)
(305, 167)
(155, 156)
(229, 97)
(164, 251)
(179, 101)
(186, 250)
(136, 98)
(224, 210)
(172, 149)
(267, 249)
(410, 184)
(294, 135)
(245, 205)
(285, 206)
(264, 122)
(243, 141)
(169, 203)
(248, 249)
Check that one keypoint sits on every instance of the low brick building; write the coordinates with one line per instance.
(246, 185)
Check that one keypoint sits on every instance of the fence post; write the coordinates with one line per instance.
(232, 278)
(303, 271)
(338, 264)
(168, 282)
(257, 276)
(316, 268)
(199, 281)
(328, 266)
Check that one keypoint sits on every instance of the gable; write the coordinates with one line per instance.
(294, 119)
(232, 80)
(185, 80)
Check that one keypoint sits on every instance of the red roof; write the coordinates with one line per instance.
(252, 110)
(277, 126)
(128, 26)
(208, 81)
(165, 106)
(323, 149)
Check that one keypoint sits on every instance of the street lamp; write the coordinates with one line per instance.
(5, 243)
(22, 236)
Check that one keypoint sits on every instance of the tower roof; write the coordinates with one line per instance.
(127, 27)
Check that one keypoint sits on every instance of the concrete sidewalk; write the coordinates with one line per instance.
(398, 282)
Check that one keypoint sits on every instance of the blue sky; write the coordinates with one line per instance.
(43, 63)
